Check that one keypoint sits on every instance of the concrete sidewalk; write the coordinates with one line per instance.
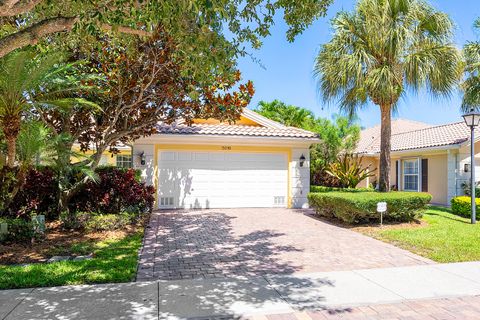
(243, 297)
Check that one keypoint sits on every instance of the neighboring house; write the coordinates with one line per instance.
(434, 159)
(122, 159)
(255, 162)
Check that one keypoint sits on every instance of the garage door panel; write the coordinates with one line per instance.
(223, 179)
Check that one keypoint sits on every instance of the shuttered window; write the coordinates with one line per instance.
(425, 175)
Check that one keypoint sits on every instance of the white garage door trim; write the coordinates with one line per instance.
(222, 179)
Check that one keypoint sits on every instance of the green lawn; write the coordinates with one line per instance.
(445, 237)
(115, 260)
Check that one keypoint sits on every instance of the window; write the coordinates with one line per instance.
(166, 201)
(410, 175)
(278, 200)
(124, 161)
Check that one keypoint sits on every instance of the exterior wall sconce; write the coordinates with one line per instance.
(466, 167)
(142, 158)
(302, 160)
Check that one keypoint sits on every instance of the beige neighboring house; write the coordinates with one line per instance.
(430, 158)
(255, 162)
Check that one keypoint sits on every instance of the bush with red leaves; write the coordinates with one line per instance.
(118, 190)
(38, 194)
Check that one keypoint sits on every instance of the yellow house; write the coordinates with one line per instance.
(121, 159)
(255, 162)
(433, 159)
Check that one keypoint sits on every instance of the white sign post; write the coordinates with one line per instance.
(381, 208)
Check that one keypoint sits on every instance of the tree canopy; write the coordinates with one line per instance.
(337, 136)
(471, 85)
(209, 34)
(381, 50)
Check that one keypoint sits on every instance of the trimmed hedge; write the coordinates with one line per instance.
(330, 189)
(462, 206)
(359, 207)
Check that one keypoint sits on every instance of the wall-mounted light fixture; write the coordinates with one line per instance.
(466, 167)
(302, 160)
(141, 156)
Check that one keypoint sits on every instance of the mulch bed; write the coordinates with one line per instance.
(57, 241)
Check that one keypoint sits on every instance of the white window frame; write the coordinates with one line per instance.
(122, 161)
(418, 174)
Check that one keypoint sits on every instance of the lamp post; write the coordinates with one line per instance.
(472, 120)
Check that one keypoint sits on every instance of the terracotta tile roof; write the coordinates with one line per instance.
(235, 130)
(368, 136)
(430, 136)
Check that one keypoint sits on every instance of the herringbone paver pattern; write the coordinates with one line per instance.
(252, 242)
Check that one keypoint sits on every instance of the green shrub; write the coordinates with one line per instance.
(18, 230)
(97, 222)
(109, 222)
(74, 220)
(330, 189)
(462, 206)
(357, 207)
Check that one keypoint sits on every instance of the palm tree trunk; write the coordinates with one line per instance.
(11, 151)
(385, 147)
(11, 128)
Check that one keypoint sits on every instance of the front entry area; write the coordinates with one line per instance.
(222, 179)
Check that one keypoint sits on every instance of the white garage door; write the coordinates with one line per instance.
(193, 180)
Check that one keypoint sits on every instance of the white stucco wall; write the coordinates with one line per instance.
(149, 167)
(300, 178)
(462, 158)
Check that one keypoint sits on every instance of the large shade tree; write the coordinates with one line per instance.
(136, 87)
(209, 34)
(380, 51)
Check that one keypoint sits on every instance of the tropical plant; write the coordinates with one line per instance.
(288, 115)
(21, 75)
(340, 134)
(33, 146)
(471, 85)
(381, 50)
(350, 170)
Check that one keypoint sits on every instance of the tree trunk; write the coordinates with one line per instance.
(65, 194)
(11, 151)
(11, 128)
(385, 148)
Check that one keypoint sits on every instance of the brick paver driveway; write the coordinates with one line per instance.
(245, 242)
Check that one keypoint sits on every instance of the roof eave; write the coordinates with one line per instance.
(394, 152)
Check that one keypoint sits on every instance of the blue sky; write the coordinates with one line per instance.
(287, 73)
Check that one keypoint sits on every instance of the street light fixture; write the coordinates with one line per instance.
(472, 119)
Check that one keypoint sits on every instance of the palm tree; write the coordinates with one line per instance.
(22, 76)
(379, 52)
(471, 85)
